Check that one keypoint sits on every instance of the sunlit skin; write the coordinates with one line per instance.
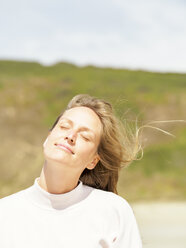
(62, 168)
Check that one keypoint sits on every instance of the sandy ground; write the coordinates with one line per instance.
(161, 225)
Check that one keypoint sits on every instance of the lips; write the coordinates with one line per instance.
(65, 146)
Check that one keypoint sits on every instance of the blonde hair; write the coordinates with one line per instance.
(118, 147)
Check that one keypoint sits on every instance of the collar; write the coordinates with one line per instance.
(46, 200)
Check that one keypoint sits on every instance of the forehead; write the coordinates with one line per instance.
(83, 116)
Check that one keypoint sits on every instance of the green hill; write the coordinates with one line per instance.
(32, 95)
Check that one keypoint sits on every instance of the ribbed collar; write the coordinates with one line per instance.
(50, 201)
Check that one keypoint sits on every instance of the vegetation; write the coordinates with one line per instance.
(32, 95)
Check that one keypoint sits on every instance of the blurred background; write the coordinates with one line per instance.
(131, 53)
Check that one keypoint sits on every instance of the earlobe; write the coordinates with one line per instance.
(93, 164)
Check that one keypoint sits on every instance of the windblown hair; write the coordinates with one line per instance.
(118, 146)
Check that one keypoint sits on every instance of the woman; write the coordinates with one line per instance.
(74, 202)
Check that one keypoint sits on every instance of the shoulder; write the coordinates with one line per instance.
(114, 209)
(13, 200)
(111, 201)
(110, 197)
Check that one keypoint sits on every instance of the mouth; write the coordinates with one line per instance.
(64, 147)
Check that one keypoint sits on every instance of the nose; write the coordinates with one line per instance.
(71, 137)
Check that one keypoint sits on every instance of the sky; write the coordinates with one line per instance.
(133, 34)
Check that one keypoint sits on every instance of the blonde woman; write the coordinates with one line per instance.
(74, 202)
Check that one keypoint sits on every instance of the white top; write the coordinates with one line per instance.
(82, 218)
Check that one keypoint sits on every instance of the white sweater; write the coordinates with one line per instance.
(82, 218)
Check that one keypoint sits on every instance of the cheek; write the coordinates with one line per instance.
(86, 150)
(55, 133)
(49, 145)
(54, 136)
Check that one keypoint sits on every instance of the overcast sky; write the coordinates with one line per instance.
(134, 34)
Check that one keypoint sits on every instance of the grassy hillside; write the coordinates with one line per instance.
(32, 95)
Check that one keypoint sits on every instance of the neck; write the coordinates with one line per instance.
(56, 180)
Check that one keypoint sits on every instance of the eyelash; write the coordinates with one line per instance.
(85, 138)
(63, 127)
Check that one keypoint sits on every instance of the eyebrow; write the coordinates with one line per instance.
(81, 128)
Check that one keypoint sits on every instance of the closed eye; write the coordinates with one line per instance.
(85, 138)
(64, 127)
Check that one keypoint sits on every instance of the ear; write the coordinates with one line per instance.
(94, 162)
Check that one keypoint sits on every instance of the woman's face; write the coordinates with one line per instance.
(74, 140)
